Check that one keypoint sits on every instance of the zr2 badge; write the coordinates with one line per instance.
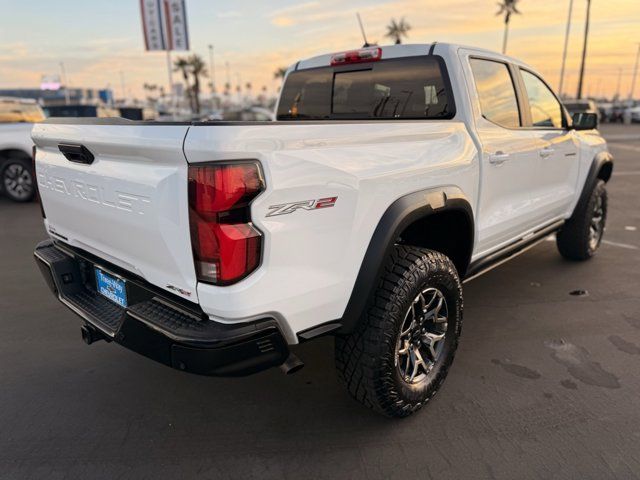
(287, 208)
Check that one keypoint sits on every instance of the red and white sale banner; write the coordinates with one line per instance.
(175, 14)
(164, 24)
(153, 24)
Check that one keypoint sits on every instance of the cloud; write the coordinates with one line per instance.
(283, 21)
(295, 14)
(13, 51)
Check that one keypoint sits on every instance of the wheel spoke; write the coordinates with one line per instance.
(408, 330)
(407, 364)
(427, 305)
(431, 340)
(417, 363)
(405, 349)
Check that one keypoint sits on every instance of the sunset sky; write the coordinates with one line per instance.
(98, 39)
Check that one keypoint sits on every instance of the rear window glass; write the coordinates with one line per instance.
(414, 87)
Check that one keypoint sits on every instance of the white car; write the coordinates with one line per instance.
(634, 114)
(17, 116)
(391, 175)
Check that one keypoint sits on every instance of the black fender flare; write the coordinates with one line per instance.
(602, 160)
(400, 214)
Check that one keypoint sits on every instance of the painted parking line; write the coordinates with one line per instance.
(620, 245)
(622, 137)
(624, 146)
(552, 238)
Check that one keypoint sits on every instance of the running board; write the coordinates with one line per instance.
(491, 261)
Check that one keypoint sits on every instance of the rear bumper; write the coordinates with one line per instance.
(157, 325)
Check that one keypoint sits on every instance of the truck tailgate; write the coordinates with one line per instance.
(128, 206)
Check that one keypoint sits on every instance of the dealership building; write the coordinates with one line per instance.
(50, 97)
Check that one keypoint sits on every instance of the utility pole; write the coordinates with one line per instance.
(635, 74)
(584, 51)
(619, 81)
(122, 86)
(66, 83)
(564, 52)
(212, 68)
(170, 77)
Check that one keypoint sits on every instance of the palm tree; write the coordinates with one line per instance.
(181, 64)
(198, 69)
(508, 8)
(150, 88)
(280, 73)
(397, 30)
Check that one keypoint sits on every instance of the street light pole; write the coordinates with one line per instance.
(584, 50)
(66, 83)
(564, 52)
(635, 74)
(172, 100)
(212, 67)
(122, 86)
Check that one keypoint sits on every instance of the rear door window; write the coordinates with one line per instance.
(546, 110)
(496, 92)
(403, 88)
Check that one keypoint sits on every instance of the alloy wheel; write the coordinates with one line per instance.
(18, 181)
(596, 227)
(421, 339)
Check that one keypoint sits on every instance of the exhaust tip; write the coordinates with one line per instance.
(291, 365)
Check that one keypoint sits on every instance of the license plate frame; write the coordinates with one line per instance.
(111, 287)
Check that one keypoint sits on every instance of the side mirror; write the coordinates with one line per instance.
(585, 121)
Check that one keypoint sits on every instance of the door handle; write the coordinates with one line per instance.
(498, 158)
(546, 152)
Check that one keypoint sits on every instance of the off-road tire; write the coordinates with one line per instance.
(574, 240)
(365, 359)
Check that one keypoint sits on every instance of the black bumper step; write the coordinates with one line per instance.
(156, 325)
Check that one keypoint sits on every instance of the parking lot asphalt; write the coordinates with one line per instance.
(545, 384)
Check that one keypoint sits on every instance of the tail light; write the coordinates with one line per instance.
(370, 54)
(226, 245)
(35, 182)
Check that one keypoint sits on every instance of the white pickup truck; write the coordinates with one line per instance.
(391, 175)
(16, 165)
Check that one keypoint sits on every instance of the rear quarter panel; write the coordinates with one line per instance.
(311, 258)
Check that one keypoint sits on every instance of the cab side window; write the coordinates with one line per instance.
(546, 110)
(497, 95)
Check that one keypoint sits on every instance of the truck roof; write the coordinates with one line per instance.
(20, 100)
(406, 50)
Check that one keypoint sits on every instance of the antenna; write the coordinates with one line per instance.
(364, 36)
